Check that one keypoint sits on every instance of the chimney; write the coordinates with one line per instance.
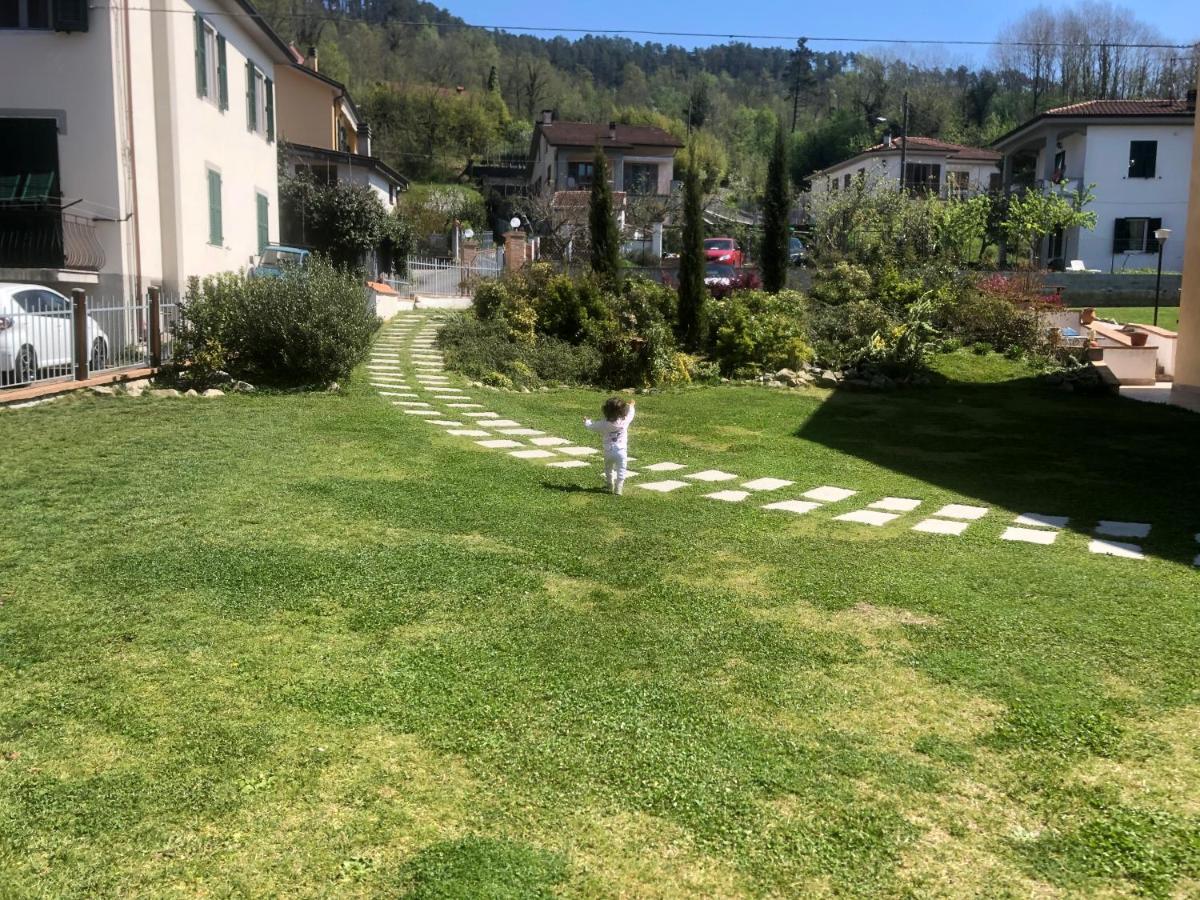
(612, 131)
(310, 61)
(364, 139)
(1191, 100)
(547, 116)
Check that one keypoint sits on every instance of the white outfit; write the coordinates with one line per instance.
(615, 443)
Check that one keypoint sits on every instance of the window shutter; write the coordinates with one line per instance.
(270, 107)
(201, 62)
(1152, 225)
(1120, 236)
(264, 230)
(222, 75)
(70, 15)
(251, 118)
(215, 235)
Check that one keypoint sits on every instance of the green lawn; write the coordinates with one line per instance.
(1168, 316)
(305, 645)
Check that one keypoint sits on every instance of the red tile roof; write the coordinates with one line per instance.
(933, 145)
(1123, 108)
(589, 134)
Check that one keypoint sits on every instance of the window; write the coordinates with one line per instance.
(319, 172)
(1143, 155)
(343, 138)
(641, 178)
(42, 302)
(216, 236)
(922, 177)
(995, 182)
(25, 14)
(833, 185)
(579, 174)
(846, 181)
(264, 220)
(212, 81)
(1135, 235)
(958, 184)
(260, 102)
(862, 174)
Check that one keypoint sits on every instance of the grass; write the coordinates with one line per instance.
(304, 645)
(1168, 316)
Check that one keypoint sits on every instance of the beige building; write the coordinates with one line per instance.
(1187, 350)
(137, 145)
(929, 164)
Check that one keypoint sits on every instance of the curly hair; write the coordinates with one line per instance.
(615, 409)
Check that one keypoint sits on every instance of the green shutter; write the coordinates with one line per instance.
(1120, 236)
(70, 15)
(264, 225)
(222, 75)
(251, 117)
(1152, 225)
(215, 235)
(270, 89)
(201, 61)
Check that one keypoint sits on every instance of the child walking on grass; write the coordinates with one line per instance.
(614, 431)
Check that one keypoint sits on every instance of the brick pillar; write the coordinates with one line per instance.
(514, 250)
(468, 252)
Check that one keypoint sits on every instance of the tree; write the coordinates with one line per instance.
(602, 225)
(345, 221)
(691, 261)
(799, 75)
(776, 207)
(1033, 215)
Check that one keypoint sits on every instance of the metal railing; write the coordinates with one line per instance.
(444, 277)
(39, 237)
(46, 337)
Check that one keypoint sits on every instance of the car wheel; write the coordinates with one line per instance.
(25, 366)
(99, 358)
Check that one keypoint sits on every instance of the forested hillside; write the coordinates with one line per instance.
(439, 92)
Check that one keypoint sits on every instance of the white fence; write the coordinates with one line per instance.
(446, 278)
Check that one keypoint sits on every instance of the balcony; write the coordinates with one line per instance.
(41, 237)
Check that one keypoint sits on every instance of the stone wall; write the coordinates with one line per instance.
(1102, 289)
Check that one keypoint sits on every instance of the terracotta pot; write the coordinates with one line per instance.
(1138, 338)
(1088, 316)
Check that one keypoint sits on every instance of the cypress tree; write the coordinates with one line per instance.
(691, 261)
(606, 241)
(776, 205)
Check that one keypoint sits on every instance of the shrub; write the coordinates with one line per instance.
(903, 348)
(842, 334)
(486, 350)
(841, 283)
(311, 325)
(759, 331)
(995, 321)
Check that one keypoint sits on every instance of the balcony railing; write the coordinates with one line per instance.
(37, 237)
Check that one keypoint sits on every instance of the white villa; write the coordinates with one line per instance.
(137, 142)
(1136, 153)
(929, 165)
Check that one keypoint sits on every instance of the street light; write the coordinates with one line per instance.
(1160, 235)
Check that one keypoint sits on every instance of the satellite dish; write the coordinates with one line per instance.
(515, 222)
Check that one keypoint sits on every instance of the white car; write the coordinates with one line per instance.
(37, 334)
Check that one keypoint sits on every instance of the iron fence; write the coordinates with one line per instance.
(446, 278)
(37, 338)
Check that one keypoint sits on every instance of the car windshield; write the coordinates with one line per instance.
(796, 244)
(718, 244)
(276, 257)
(718, 272)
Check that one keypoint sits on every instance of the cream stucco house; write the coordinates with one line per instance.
(929, 164)
(137, 142)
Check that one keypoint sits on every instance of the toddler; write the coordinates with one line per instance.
(614, 429)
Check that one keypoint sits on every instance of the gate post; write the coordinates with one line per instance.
(79, 332)
(155, 328)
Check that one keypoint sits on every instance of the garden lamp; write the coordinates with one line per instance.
(1160, 235)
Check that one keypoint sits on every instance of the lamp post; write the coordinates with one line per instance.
(1160, 235)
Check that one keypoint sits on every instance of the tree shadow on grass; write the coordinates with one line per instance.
(575, 488)
(1022, 446)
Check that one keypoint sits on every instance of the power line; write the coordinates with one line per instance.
(827, 39)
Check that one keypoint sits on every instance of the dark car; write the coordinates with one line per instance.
(797, 252)
(722, 280)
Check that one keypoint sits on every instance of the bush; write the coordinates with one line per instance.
(842, 334)
(754, 330)
(311, 325)
(998, 322)
(487, 351)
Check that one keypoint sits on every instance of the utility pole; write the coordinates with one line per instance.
(904, 140)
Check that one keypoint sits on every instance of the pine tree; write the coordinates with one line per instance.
(606, 241)
(692, 292)
(776, 206)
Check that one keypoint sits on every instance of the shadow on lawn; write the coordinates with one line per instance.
(1022, 446)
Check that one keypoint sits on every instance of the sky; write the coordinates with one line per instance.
(870, 19)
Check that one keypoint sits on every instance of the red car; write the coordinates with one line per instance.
(723, 250)
(722, 280)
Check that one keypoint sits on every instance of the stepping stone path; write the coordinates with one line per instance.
(386, 374)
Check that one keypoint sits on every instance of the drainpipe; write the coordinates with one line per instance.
(133, 191)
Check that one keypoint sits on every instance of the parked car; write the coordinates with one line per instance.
(37, 334)
(797, 252)
(723, 250)
(274, 257)
(722, 280)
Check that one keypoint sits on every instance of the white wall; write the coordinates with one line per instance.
(379, 186)
(880, 166)
(1118, 196)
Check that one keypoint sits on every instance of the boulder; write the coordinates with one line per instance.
(164, 392)
(829, 378)
(242, 387)
(882, 383)
(191, 392)
(104, 390)
(788, 377)
(213, 392)
(334, 387)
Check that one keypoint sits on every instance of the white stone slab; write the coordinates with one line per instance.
(1123, 529)
(406, 394)
(940, 526)
(421, 412)
(465, 405)
(446, 423)
(468, 432)
(663, 487)
(531, 454)
(729, 496)
(827, 494)
(499, 423)
(480, 415)
(1029, 535)
(867, 517)
(578, 451)
(895, 504)
(550, 441)
(1116, 548)
(567, 464)
(499, 444)
(664, 467)
(959, 511)
(454, 397)
(516, 432)
(1038, 520)
(410, 403)
(712, 475)
(767, 484)
(799, 507)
